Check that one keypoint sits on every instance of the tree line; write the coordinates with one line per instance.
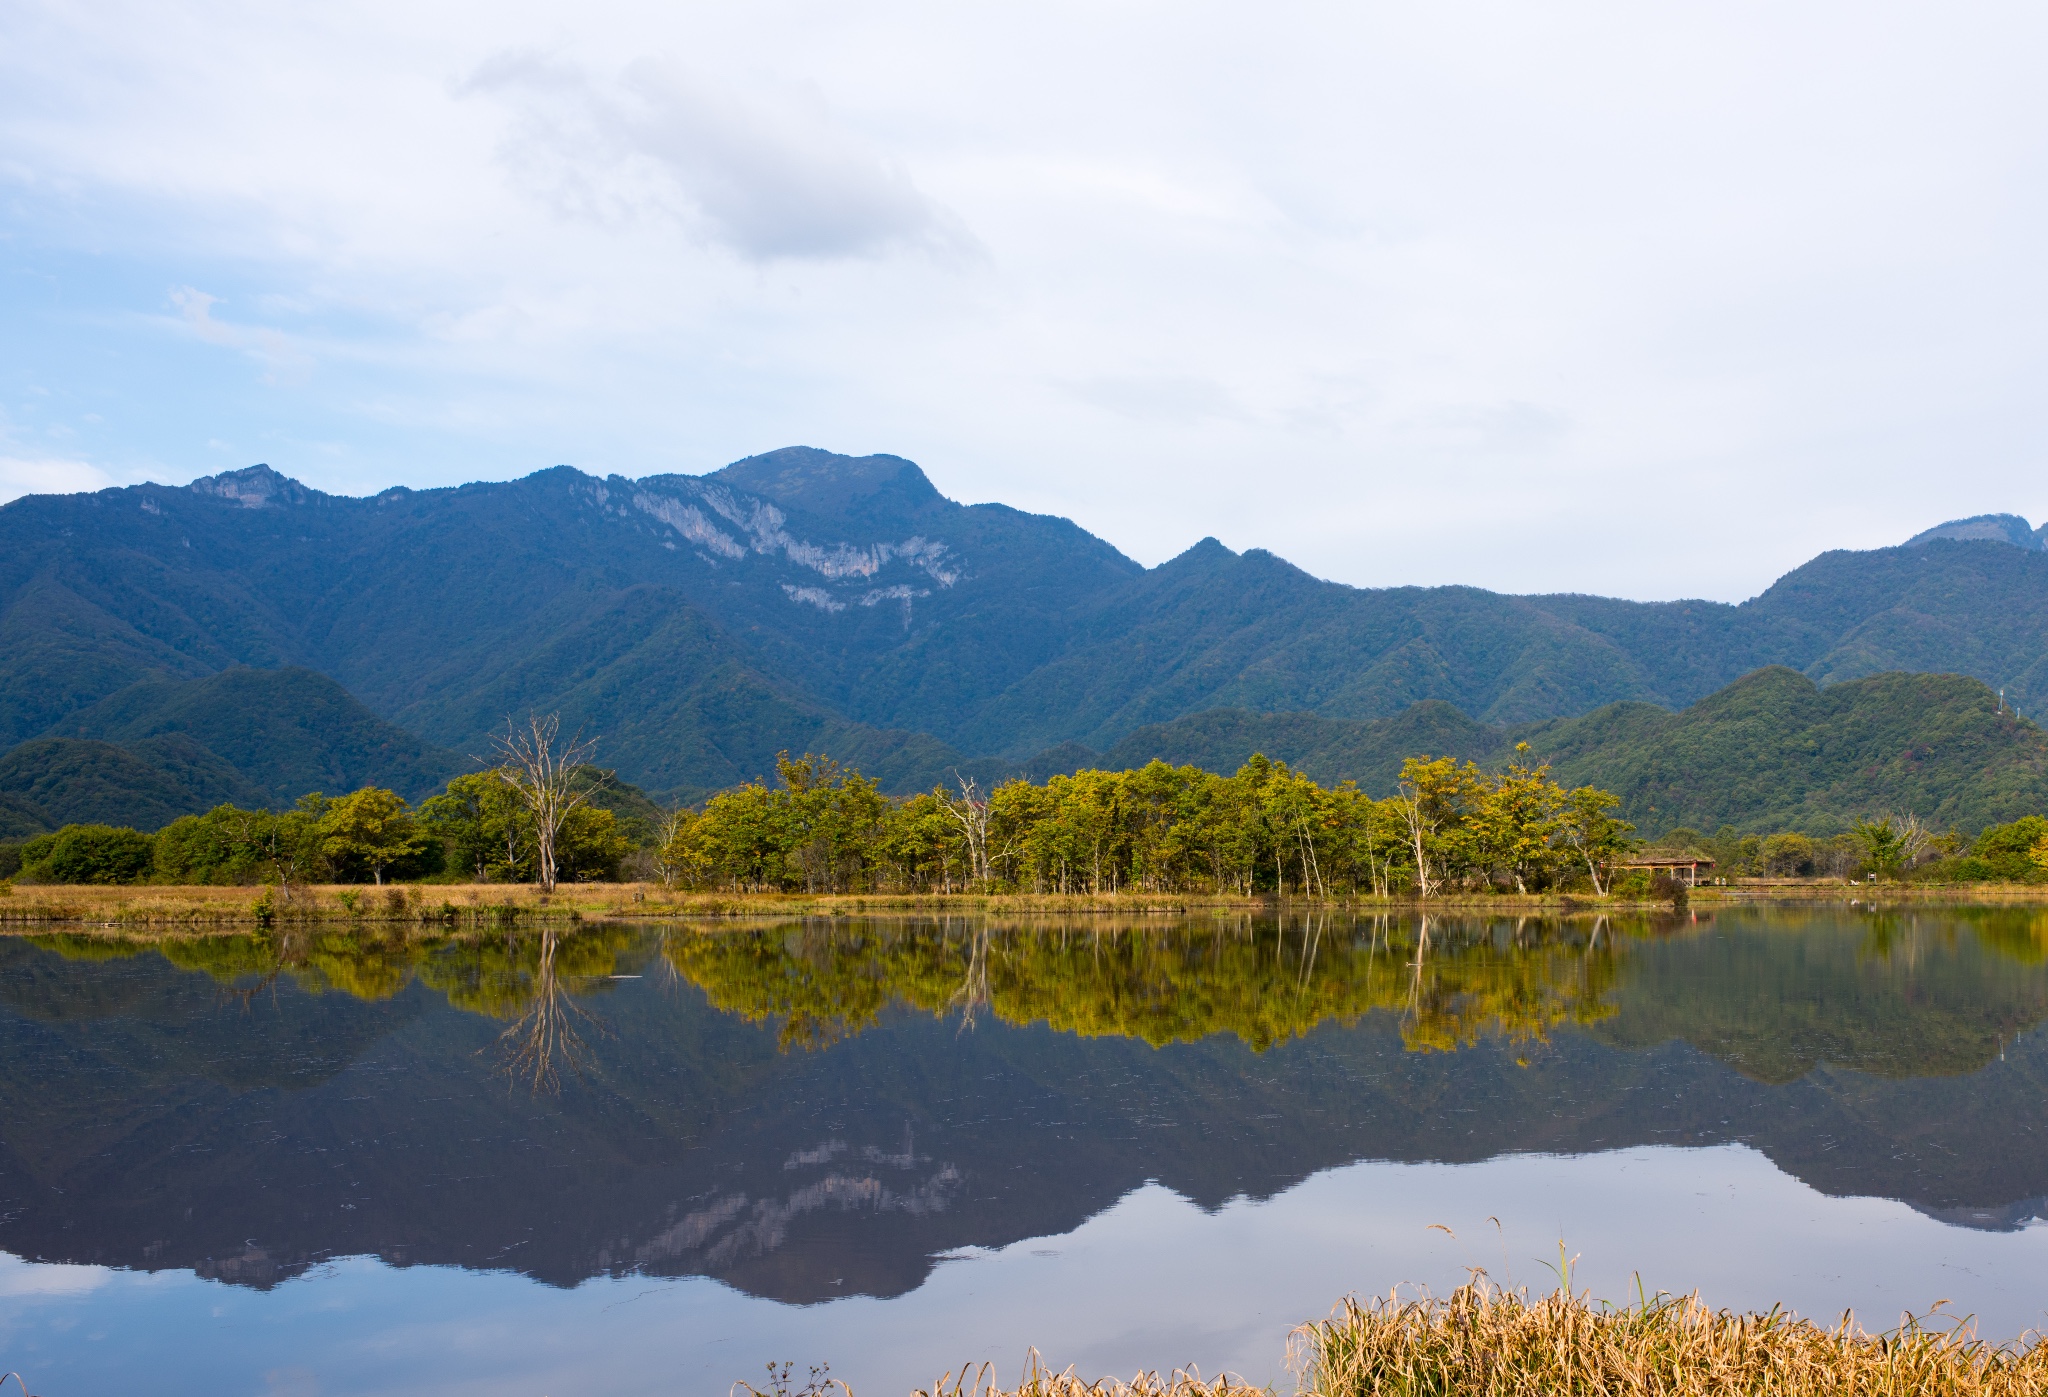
(540, 817)
(474, 831)
(533, 818)
(1888, 846)
(826, 828)
(1160, 828)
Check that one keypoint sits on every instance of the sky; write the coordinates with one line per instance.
(1642, 300)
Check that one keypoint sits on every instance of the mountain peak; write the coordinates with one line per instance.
(824, 482)
(1208, 553)
(1992, 528)
(254, 487)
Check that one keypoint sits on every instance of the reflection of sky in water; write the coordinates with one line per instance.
(1829, 1113)
(1152, 1281)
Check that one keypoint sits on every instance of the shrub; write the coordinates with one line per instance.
(88, 854)
(1634, 884)
(2004, 853)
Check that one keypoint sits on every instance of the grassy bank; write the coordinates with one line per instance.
(1482, 1341)
(1835, 890)
(499, 904)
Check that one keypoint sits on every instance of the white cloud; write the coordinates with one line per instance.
(45, 475)
(282, 361)
(20, 1279)
(765, 178)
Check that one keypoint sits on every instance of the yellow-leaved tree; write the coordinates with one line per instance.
(372, 830)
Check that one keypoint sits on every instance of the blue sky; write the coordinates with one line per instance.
(1649, 301)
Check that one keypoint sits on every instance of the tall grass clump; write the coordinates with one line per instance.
(1485, 1341)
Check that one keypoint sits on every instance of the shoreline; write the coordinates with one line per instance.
(1483, 1338)
(24, 908)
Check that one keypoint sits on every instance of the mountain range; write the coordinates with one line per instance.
(806, 600)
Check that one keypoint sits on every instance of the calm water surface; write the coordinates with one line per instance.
(647, 1160)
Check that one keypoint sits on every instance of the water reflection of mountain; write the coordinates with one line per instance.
(152, 1116)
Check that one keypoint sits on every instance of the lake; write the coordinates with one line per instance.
(647, 1159)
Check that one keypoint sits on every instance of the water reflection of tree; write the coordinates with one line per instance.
(1891, 992)
(1264, 981)
(529, 978)
(1513, 980)
(546, 1038)
(1897, 993)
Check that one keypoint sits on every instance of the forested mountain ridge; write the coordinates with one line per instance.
(161, 748)
(698, 624)
(806, 600)
(2000, 528)
(1775, 751)
(1772, 751)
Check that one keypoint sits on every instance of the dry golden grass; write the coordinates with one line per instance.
(1483, 1341)
(1750, 890)
(150, 905)
(146, 905)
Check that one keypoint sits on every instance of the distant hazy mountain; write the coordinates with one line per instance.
(806, 600)
(1994, 528)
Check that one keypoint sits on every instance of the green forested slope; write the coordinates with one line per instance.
(283, 731)
(162, 748)
(71, 781)
(1774, 751)
(1327, 749)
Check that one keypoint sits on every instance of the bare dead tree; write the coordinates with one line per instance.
(544, 1038)
(1421, 825)
(973, 994)
(551, 778)
(671, 859)
(970, 812)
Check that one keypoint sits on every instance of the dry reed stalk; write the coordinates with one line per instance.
(1040, 1381)
(1484, 1341)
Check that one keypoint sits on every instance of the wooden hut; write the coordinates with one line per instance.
(1671, 862)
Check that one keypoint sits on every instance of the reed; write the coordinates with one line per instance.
(1040, 1381)
(1484, 1341)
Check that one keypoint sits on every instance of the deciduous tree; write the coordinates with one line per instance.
(372, 829)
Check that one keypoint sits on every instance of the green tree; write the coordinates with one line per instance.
(590, 845)
(1588, 827)
(372, 829)
(743, 838)
(1514, 822)
(225, 845)
(675, 849)
(486, 831)
(88, 854)
(2007, 852)
(926, 845)
(1788, 855)
(1886, 844)
(1434, 801)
